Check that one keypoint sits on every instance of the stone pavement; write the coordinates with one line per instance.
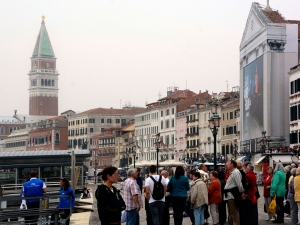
(186, 221)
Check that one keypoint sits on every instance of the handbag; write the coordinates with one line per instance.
(272, 206)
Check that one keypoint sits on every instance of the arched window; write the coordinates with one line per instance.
(2, 130)
(10, 129)
(49, 82)
(46, 82)
(42, 82)
(56, 138)
(53, 83)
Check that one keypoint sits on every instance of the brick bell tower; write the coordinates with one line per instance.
(43, 77)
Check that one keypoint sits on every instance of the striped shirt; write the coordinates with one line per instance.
(234, 180)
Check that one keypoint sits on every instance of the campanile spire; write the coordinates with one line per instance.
(43, 77)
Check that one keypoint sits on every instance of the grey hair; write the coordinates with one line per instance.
(131, 171)
(279, 166)
(293, 164)
(250, 167)
(287, 169)
(293, 171)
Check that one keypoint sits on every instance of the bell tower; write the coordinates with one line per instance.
(43, 77)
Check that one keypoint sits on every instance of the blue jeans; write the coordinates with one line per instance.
(132, 217)
(199, 215)
(157, 210)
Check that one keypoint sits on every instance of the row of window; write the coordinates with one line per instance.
(167, 112)
(192, 130)
(44, 82)
(80, 131)
(147, 117)
(84, 121)
(47, 82)
(44, 140)
(192, 143)
(147, 130)
(16, 144)
(295, 86)
(167, 124)
(79, 142)
(11, 129)
(229, 130)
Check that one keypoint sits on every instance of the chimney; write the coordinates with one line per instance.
(15, 112)
(24, 118)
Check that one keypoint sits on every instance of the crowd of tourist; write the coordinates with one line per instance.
(228, 195)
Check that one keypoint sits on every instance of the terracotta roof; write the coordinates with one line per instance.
(58, 118)
(67, 111)
(179, 94)
(275, 17)
(110, 111)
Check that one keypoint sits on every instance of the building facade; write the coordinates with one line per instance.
(83, 126)
(43, 77)
(295, 107)
(181, 128)
(51, 134)
(269, 48)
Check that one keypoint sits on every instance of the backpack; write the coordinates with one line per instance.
(158, 189)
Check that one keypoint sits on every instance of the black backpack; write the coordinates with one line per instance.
(158, 189)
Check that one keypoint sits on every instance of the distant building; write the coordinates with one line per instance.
(50, 134)
(83, 126)
(159, 117)
(43, 77)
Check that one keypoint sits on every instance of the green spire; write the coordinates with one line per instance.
(43, 46)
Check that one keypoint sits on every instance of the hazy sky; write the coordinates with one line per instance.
(126, 50)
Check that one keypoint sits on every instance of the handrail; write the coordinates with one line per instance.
(10, 214)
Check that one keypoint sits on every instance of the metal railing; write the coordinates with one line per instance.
(43, 213)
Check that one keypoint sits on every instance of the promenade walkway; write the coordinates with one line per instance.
(93, 220)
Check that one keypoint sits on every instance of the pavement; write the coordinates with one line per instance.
(94, 219)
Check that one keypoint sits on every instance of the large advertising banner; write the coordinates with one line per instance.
(253, 99)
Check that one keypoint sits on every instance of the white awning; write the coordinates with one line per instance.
(260, 159)
(240, 159)
(285, 159)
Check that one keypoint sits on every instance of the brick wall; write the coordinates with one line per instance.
(47, 105)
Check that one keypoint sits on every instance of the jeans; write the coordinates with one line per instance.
(199, 215)
(280, 208)
(294, 211)
(166, 214)
(157, 210)
(132, 217)
(178, 204)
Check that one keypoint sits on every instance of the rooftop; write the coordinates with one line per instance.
(112, 111)
(43, 47)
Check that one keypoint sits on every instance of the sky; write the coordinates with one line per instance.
(112, 52)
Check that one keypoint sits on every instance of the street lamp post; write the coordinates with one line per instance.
(263, 141)
(134, 154)
(214, 124)
(235, 148)
(157, 146)
(96, 164)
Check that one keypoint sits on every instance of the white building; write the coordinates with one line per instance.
(268, 49)
(295, 107)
